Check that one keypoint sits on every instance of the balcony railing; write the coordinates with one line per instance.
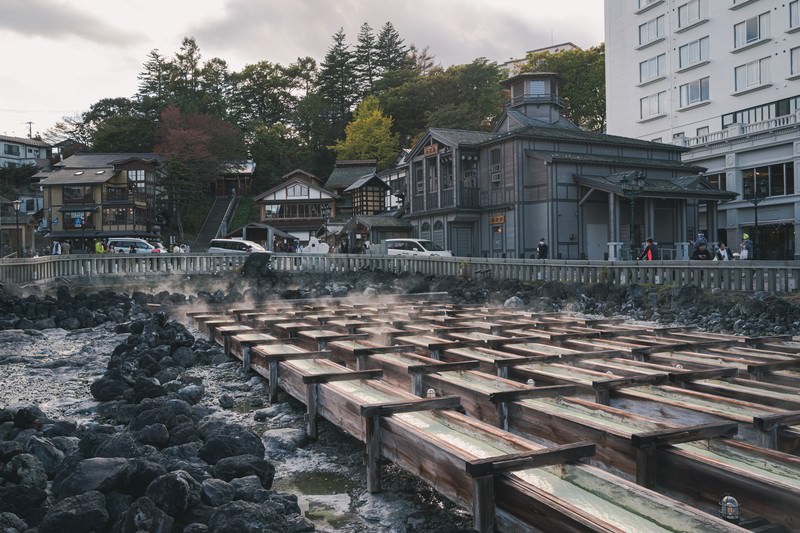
(738, 130)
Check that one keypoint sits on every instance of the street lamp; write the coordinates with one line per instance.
(632, 186)
(17, 204)
(755, 197)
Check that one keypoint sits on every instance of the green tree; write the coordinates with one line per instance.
(391, 53)
(369, 135)
(115, 125)
(364, 60)
(583, 86)
(263, 95)
(337, 80)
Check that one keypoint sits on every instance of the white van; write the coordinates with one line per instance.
(415, 247)
(234, 246)
(128, 245)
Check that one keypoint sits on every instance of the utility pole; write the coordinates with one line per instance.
(30, 129)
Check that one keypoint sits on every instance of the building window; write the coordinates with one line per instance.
(694, 92)
(419, 179)
(752, 74)
(779, 108)
(717, 181)
(297, 190)
(495, 160)
(690, 13)
(433, 176)
(693, 52)
(536, 88)
(653, 68)
(774, 180)
(651, 30)
(703, 131)
(116, 194)
(751, 30)
(653, 105)
(77, 194)
(794, 66)
(644, 3)
(11, 149)
(794, 14)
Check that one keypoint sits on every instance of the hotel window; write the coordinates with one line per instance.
(694, 92)
(690, 13)
(776, 180)
(751, 30)
(653, 68)
(717, 181)
(753, 74)
(702, 131)
(644, 3)
(651, 30)
(653, 105)
(794, 66)
(794, 14)
(693, 52)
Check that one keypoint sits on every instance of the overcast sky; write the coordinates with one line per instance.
(61, 56)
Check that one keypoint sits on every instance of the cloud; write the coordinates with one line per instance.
(57, 20)
(456, 31)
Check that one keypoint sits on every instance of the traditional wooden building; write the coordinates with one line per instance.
(537, 175)
(300, 205)
(89, 196)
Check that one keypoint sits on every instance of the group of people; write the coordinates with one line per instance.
(701, 250)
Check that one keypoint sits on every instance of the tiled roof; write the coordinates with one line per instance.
(453, 137)
(347, 172)
(103, 160)
(683, 187)
(26, 141)
(614, 160)
(74, 177)
(360, 182)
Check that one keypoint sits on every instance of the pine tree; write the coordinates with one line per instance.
(336, 79)
(391, 53)
(364, 60)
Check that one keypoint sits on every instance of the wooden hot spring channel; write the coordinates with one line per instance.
(542, 421)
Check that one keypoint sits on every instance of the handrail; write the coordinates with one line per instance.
(747, 276)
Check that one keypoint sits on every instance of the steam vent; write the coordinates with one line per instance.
(542, 421)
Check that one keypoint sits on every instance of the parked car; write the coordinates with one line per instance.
(126, 245)
(234, 246)
(420, 247)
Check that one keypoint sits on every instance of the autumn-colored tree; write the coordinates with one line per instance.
(194, 147)
(583, 86)
(369, 135)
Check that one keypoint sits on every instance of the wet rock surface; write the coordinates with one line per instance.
(116, 418)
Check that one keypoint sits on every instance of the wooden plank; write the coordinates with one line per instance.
(538, 392)
(684, 434)
(566, 453)
(342, 376)
(428, 404)
(768, 422)
(771, 367)
(292, 356)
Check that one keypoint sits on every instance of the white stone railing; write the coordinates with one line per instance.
(769, 276)
(736, 130)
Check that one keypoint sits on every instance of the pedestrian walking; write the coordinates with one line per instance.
(541, 249)
(650, 251)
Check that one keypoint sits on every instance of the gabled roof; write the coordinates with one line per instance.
(82, 160)
(348, 171)
(26, 141)
(683, 187)
(303, 178)
(300, 172)
(369, 178)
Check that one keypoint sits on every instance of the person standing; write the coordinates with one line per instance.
(702, 252)
(746, 247)
(723, 253)
(66, 247)
(56, 248)
(541, 249)
(650, 251)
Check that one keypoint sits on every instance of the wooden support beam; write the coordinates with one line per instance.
(312, 408)
(443, 367)
(342, 376)
(428, 404)
(761, 368)
(767, 426)
(602, 389)
(372, 426)
(647, 444)
(644, 351)
(566, 453)
(695, 375)
(483, 504)
(292, 356)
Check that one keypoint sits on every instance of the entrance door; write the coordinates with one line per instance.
(596, 241)
(462, 242)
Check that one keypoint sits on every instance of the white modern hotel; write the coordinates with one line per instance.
(722, 78)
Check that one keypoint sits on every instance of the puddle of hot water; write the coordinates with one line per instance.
(323, 497)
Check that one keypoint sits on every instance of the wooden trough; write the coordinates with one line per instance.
(303, 351)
